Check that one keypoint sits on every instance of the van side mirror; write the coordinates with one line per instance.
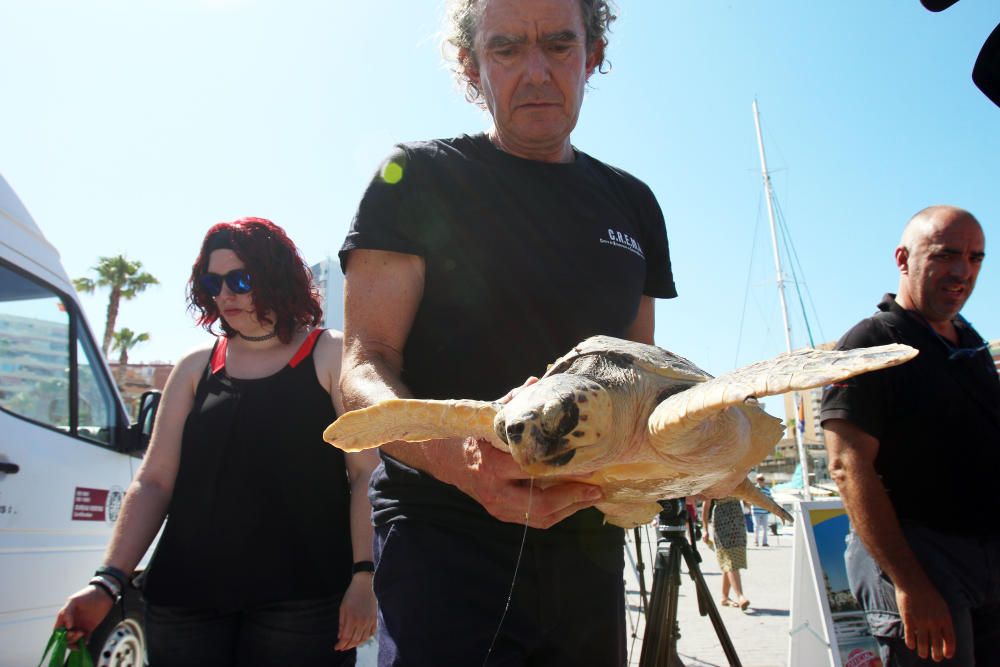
(142, 430)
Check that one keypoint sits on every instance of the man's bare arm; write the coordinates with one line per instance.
(926, 618)
(642, 328)
(381, 294)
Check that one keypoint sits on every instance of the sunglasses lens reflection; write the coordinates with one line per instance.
(238, 281)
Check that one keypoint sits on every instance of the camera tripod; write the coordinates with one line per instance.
(659, 643)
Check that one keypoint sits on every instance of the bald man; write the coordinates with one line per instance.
(915, 451)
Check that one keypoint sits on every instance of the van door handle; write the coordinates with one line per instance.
(9, 468)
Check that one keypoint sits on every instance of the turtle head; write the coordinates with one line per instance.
(556, 424)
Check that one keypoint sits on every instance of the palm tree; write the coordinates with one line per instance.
(124, 340)
(125, 281)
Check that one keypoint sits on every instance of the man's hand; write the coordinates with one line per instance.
(517, 390)
(927, 621)
(494, 480)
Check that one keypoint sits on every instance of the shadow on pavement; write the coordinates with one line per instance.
(765, 612)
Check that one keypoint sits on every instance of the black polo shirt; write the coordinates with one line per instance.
(937, 420)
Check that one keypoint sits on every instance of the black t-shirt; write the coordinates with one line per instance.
(523, 259)
(937, 421)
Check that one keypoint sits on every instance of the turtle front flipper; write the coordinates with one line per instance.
(412, 420)
(684, 427)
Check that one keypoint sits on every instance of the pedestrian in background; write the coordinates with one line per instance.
(725, 516)
(760, 515)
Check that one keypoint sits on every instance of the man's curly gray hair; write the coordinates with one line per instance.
(464, 16)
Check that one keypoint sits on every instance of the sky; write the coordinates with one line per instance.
(131, 126)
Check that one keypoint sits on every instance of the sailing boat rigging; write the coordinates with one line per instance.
(780, 279)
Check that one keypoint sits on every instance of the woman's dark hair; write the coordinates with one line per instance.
(282, 283)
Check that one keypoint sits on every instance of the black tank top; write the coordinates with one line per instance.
(260, 509)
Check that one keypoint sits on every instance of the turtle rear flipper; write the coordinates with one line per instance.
(412, 420)
(751, 493)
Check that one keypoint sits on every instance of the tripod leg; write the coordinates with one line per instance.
(704, 595)
(668, 653)
(640, 568)
(659, 643)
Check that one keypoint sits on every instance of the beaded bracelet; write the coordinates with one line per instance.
(102, 584)
(114, 573)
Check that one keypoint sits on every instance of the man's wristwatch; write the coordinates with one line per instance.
(363, 566)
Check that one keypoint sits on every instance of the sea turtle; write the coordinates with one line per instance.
(642, 423)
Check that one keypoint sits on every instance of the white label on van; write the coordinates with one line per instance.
(88, 504)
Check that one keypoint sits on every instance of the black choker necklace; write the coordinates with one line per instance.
(257, 339)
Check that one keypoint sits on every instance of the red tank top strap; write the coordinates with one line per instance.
(218, 361)
(306, 348)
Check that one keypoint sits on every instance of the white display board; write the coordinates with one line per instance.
(827, 624)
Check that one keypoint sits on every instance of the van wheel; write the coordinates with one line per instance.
(121, 642)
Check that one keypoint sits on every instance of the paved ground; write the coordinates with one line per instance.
(759, 635)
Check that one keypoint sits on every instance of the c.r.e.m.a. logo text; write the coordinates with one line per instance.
(622, 240)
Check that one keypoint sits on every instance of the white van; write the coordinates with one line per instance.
(67, 451)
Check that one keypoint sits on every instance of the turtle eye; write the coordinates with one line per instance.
(562, 459)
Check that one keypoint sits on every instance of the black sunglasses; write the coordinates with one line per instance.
(238, 281)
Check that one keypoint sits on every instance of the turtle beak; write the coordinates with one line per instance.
(547, 424)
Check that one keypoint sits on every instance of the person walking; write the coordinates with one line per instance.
(760, 515)
(725, 516)
(266, 553)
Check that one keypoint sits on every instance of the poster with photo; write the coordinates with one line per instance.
(826, 528)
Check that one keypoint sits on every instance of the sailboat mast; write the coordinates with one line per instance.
(768, 193)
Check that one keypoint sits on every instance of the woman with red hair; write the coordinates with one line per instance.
(265, 557)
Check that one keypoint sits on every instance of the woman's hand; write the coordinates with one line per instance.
(83, 612)
(357, 613)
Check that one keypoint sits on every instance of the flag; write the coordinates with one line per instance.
(801, 414)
